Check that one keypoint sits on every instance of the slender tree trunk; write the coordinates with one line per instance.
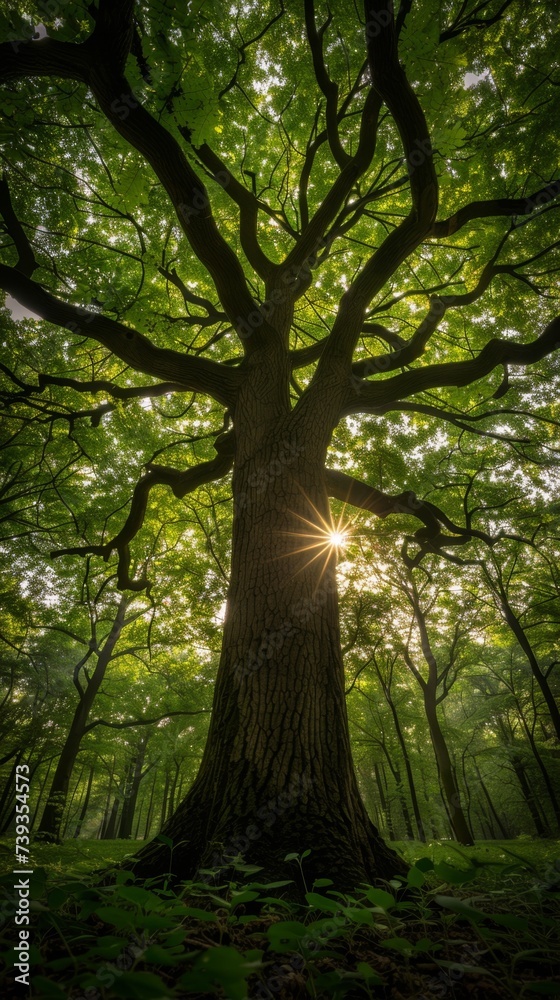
(85, 804)
(521, 636)
(150, 809)
(529, 796)
(132, 788)
(42, 792)
(390, 819)
(448, 783)
(8, 791)
(71, 803)
(395, 771)
(408, 769)
(139, 814)
(107, 809)
(173, 788)
(49, 828)
(487, 796)
(164, 801)
(542, 767)
(382, 799)
(485, 821)
(110, 831)
(277, 773)
(127, 783)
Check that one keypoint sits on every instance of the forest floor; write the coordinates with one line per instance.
(478, 923)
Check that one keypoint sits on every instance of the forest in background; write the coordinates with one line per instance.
(492, 634)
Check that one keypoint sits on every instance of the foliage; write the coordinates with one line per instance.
(243, 937)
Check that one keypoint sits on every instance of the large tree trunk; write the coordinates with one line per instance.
(277, 774)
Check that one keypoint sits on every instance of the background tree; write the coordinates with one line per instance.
(318, 288)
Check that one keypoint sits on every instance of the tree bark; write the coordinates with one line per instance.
(277, 774)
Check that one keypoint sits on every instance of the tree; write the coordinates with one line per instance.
(87, 688)
(291, 149)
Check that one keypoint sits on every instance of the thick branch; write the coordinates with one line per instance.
(362, 396)
(248, 210)
(181, 483)
(142, 722)
(196, 374)
(26, 258)
(313, 236)
(88, 62)
(343, 487)
(327, 86)
(496, 207)
(391, 86)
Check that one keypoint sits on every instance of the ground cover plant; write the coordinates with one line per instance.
(480, 922)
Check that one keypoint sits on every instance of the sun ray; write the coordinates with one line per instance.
(327, 537)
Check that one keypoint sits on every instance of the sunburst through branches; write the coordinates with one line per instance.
(323, 539)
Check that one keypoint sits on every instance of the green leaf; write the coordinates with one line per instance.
(415, 878)
(286, 935)
(108, 946)
(273, 885)
(424, 864)
(44, 987)
(381, 898)
(322, 902)
(142, 897)
(460, 907)
(400, 944)
(359, 915)
(455, 876)
(244, 896)
(369, 974)
(112, 915)
(510, 920)
(164, 839)
(160, 955)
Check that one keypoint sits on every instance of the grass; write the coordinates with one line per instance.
(77, 857)
(479, 923)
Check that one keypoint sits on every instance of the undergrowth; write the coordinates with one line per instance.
(477, 927)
